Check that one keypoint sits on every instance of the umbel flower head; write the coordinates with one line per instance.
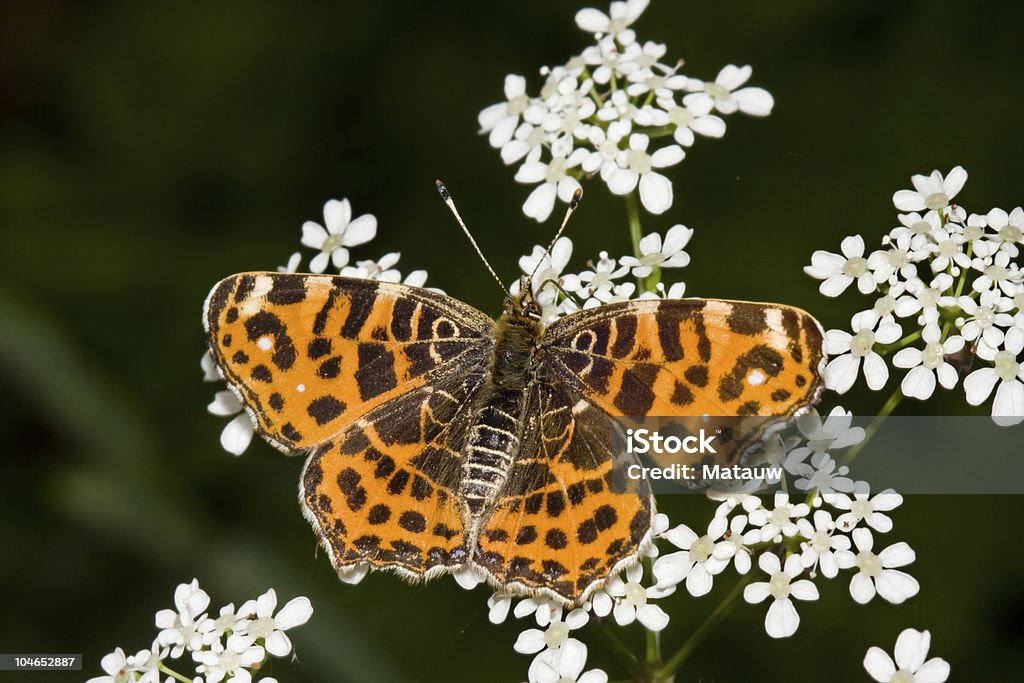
(618, 110)
(946, 301)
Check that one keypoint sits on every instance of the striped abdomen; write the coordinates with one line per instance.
(490, 447)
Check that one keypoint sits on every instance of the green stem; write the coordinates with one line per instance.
(875, 424)
(617, 647)
(649, 283)
(653, 650)
(686, 649)
(171, 672)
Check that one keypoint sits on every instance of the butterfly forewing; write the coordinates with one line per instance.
(310, 354)
(689, 357)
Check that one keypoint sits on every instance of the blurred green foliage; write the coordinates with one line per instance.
(147, 150)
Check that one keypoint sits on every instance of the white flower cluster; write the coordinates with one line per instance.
(332, 245)
(605, 279)
(945, 278)
(792, 544)
(600, 112)
(231, 646)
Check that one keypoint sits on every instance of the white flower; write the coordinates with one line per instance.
(985, 317)
(544, 610)
(292, 265)
(556, 634)
(605, 157)
(947, 250)
(636, 166)
(835, 433)
(564, 665)
(545, 266)
(911, 650)
(928, 363)
(227, 620)
(231, 662)
(554, 180)
(895, 262)
(686, 120)
(1009, 228)
(501, 119)
(735, 544)
(861, 507)
(632, 600)
(781, 519)
(931, 192)
(376, 270)
(926, 299)
(782, 619)
(603, 275)
(183, 627)
(997, 272)
(696, 562)
(928, 224)
(619, 18)
(1007, 372)
(724, 95)
(263, 623)
(341, 232)
(822, 475)
(657, 254)
(121, 668)
(849, 350)
(879, 573)
(237, 434)
(839, 272)
(610, 295)
(819, 550)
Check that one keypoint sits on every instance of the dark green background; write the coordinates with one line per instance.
(148, 150)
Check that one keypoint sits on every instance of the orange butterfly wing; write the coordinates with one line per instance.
(310, 354)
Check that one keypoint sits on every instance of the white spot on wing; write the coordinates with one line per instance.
(300, 388)
(580, 406)
(254, 301)
(265, 343)
(777, 339)
(756, 378)
(718, 308)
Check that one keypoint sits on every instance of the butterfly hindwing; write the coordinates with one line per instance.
(566, 518)
(310, 354)
(386, 490)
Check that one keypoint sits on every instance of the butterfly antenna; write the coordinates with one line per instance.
(573, 203)
(447, 198)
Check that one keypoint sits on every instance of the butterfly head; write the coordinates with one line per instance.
(523, 304)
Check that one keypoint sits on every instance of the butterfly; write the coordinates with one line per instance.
(440, 438)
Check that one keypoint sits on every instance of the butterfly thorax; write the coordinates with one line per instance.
(493, 439)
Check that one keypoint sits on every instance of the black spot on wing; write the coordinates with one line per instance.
(635, 396)
(401, 319)
(668, 336)
(361, 300)
(747, 319)
(376, 373)
(625, 336)
(325, 409)
(286, 290)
